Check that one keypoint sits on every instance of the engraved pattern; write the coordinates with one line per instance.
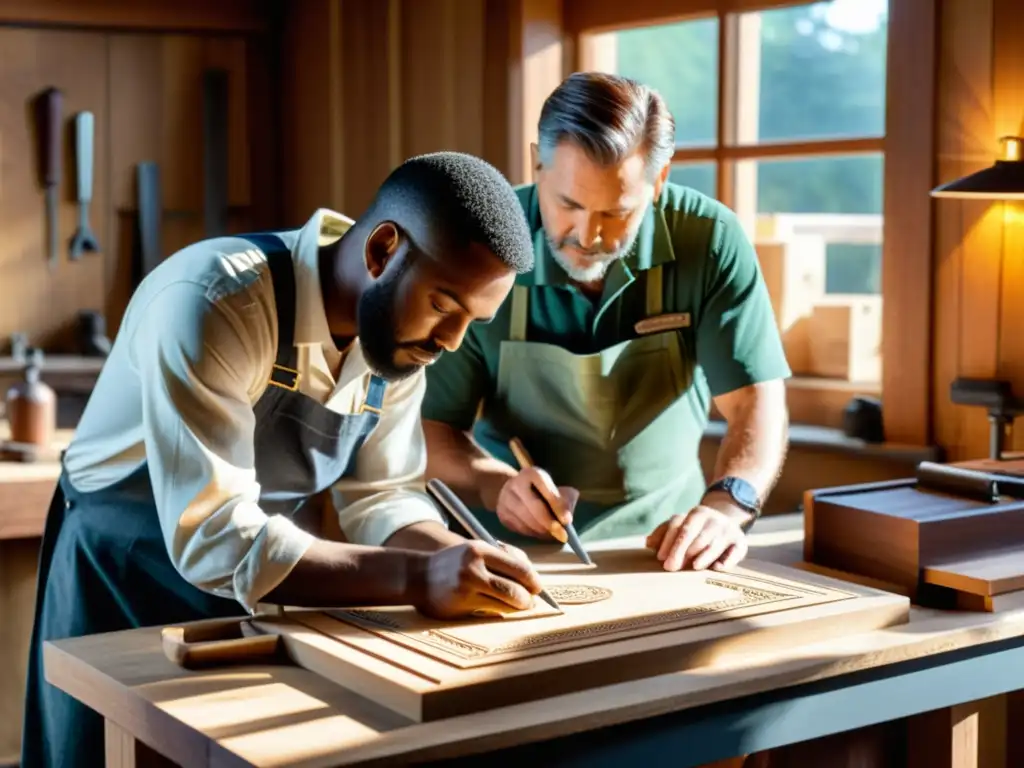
(578, 594)
(443, 640)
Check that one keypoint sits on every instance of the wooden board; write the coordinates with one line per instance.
(892, 531)
(633, 620)
(990, 574)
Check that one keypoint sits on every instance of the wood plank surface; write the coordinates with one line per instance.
(649, 621)
(282, 715)
(994, 573)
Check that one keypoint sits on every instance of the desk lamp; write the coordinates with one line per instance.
(1003, 180)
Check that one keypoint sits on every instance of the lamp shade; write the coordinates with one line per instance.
(1004, 180)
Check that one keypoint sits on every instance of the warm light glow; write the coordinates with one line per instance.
(1011, 148)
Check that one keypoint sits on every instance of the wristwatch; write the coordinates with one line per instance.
(743, 495)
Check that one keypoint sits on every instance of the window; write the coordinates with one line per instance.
(781, 115)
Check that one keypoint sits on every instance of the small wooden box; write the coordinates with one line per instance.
(794, 273)
(845, 338)
(913, 538)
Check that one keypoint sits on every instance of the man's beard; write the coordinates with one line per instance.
(375, 314)
(594, 270)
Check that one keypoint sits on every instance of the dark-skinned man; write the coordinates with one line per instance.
(645, 304)
(249, 374)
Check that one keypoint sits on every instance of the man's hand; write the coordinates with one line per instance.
(702, 538)
(521, 505)
(474, 578)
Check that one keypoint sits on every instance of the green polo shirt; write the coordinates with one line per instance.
(710, 270)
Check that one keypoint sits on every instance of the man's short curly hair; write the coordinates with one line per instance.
(461, 199)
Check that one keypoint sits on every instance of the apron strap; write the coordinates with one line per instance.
(520, 305)
(374, 402)
(655, 297)
(282, 273)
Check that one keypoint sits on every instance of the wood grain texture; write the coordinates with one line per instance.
(896, 532)
(907, 249)
(978, 266)
(145, 92)
(368, 84)
(41, 302)
(283, 715)
(988, 574)
(654, 621)
(183, 15)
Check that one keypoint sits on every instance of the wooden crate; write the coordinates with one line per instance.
(845, 337)
(622, 619)
(794, 273)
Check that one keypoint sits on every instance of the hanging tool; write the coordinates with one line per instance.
(83, 239)
(49, 117)
(215, 152)
(148, 249)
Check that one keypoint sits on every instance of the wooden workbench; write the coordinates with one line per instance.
(283, 715)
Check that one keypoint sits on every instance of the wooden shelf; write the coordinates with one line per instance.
(70, 365)
(26, 490)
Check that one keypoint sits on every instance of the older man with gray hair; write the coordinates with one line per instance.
(646, 303)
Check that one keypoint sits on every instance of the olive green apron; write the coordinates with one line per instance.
(605, 423)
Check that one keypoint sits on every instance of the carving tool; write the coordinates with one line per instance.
(83, 240)
(48, 117)
(454, 506)
(570, 530)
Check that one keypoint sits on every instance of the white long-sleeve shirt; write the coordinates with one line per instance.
(191, 358)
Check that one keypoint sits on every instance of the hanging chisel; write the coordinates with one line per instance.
(83, 239)
(49, 117)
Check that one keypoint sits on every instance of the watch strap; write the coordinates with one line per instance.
(743, 494)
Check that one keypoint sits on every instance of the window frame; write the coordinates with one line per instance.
(907, 148)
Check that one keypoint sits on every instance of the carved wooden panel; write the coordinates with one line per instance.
(621, 619)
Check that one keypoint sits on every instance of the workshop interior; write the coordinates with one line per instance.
(872, 152)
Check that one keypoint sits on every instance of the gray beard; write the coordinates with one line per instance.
(592, 272)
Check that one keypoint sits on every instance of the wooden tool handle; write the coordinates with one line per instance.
(519, 451)
(957, 481)
(219, 642)
(83, 154)
(49, 117)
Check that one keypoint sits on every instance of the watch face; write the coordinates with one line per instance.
(742, 491)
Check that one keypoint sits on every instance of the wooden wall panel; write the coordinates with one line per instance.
(370, 85)
(37, 300)
(907, 243)
(979, 272)
(180, 15)
(1008, 120)
(145, 90)
(387, 80)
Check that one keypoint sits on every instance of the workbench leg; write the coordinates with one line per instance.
(123, 751)
(971, 735)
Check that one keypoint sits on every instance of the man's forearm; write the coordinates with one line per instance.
(466, 468)
(335, 574)
(423, 537)
(756, 436)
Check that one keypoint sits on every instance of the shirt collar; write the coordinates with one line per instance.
(323, 228)
(652, 248)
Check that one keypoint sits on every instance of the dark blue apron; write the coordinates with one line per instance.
(104, 565)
